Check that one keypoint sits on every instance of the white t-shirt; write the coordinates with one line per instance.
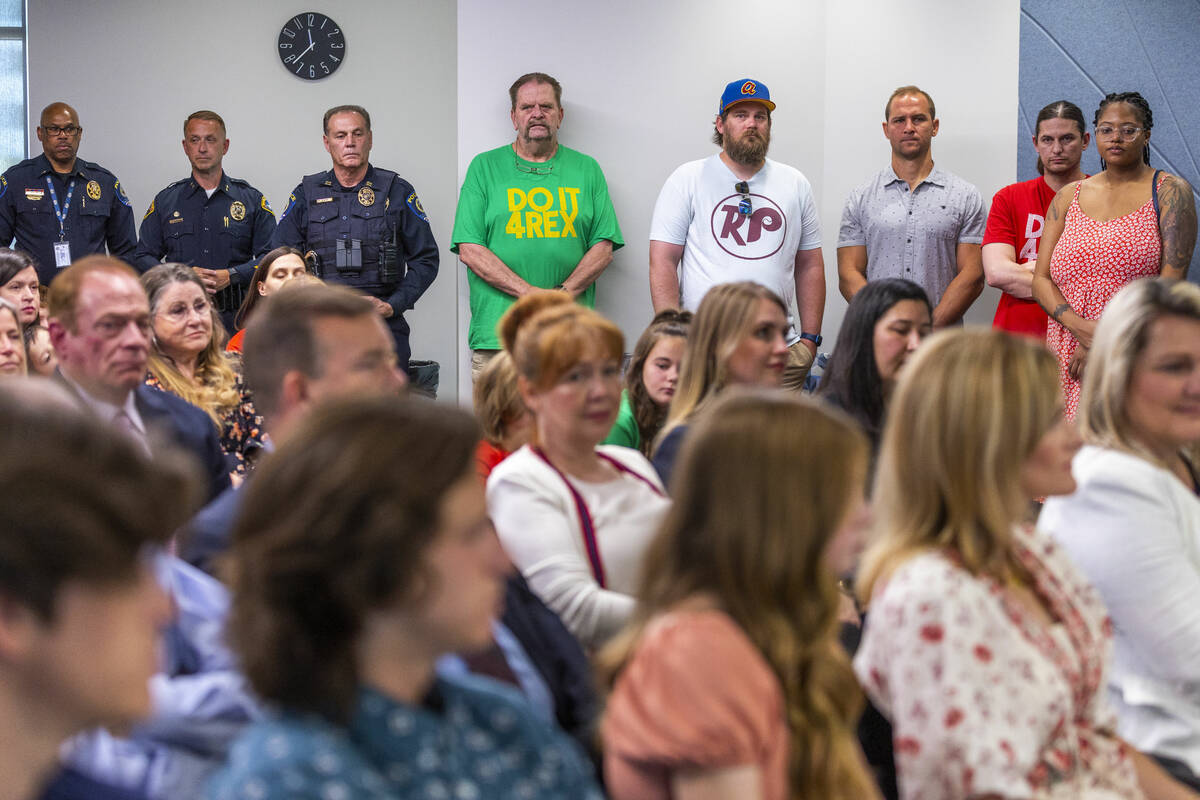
(698, 208)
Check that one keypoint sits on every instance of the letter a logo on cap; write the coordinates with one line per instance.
(749, 88)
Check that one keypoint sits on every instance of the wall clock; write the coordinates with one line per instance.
(311, 46)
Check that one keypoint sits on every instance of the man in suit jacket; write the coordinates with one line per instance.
(100, 328)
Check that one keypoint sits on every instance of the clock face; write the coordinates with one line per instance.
(311, 46)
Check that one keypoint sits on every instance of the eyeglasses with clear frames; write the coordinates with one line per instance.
(745, 207)
(1124, 132)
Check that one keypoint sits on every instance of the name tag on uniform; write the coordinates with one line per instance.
(323, 200)
(35, 194)
(62, 254)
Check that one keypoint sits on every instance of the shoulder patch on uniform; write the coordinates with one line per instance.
(121, 193)
(414, 203)
(149, 210)
(291, 202)
(265, 205)
(3, 185)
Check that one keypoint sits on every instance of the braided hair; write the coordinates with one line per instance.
(1139, 103)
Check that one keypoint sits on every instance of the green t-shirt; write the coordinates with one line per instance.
(538, 218)
(625, 430)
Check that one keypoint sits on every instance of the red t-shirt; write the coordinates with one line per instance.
(1017, 217)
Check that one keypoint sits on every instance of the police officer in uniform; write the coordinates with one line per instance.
(362, 226)
(219, 225)
(61, 208)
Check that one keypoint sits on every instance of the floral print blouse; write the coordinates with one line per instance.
(983, 697)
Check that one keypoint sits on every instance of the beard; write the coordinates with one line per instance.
(750, 148)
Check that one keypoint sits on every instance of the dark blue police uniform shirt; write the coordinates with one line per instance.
(230, 230)
(98, 213)
(401, 206)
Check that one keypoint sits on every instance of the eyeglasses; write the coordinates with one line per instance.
(180, 311)
(55, 130)
(745, 207)
(546, 170)
(1125, 132)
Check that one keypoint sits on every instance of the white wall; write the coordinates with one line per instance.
(640, 80)
(134, 70)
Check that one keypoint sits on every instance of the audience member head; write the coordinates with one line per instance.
(568, 362)
(1141, 389)
(884, 323)
(60, 133)
(13, 355)
(19, 284)
(1121, 110)
(82, 612)
(498, 406)
(975, 431)
(653, 372)
(188, 337)
(1060, 134)
(768, 507)
(276, 268)
(736, 337)
(364, 538)
(100, 327)
(39, 352)
(310, 342)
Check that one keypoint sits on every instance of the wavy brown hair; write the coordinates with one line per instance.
(335, 526)
(765, 479)
(649, 415)
(214, 390)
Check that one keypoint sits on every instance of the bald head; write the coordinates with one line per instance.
(59, 133)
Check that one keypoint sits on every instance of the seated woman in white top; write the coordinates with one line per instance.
(574, 516)
(983, 644)
(1133, 526)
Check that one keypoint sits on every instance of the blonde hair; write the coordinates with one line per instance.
(764, 481)
(726, 315)
(547, 333)
(214, 389)
(970, 408)
(496, 399)
(1121, 338)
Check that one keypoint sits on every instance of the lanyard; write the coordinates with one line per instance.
(585, 516)
(61, 212)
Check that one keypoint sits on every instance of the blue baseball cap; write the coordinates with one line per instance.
(743, 90)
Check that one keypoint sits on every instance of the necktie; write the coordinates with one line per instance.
(124, 424)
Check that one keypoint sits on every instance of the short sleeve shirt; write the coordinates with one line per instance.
(1017, 217)
(913, 234)
(538, 218)
(698, 208)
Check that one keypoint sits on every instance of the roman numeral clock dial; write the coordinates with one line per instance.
(311, 46)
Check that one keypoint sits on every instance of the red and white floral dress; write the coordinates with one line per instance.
(1093, 261)
(983, 697)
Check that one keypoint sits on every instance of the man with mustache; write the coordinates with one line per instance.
(531, 215)
(738, 215)
(912, 220)
(61, 208)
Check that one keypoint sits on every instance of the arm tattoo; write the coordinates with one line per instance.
(1059, 310)
(1052, 211)
(1177, 226)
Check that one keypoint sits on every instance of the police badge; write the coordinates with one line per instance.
(366, 196)
(237, 210)
(93, 190)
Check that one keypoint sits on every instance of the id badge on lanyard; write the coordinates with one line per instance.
(62, 248)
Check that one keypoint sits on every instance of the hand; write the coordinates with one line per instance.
(1084, 332)
(1078, 360)
(385, 309)
(214, 280)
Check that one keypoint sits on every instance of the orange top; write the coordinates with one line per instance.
(235, 342)
(695, 695)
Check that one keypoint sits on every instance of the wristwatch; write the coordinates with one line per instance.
(815, 338)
